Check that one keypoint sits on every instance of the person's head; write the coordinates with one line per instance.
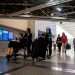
(28, 30)
(63, 34)
(58, 35)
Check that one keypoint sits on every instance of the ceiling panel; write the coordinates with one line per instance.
(11, 6)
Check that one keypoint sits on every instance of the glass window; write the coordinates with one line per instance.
(5, 35)
(0, 34)
(11, 36)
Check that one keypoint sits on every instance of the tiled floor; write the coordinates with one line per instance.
(57, 65)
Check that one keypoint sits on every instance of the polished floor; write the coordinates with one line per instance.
(56, 65)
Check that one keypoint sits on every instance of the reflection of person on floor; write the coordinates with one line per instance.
(64, 42)
(74, 44)
(59, 43)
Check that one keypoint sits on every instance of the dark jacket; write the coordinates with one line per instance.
(59, 41)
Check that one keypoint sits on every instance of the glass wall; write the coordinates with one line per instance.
(6, 35)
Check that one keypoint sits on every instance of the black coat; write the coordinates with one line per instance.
(59, 41)
(29, 39)
(39, 47)
(35, 50)
(15, 45)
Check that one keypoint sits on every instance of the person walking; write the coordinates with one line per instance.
(49, 38)
(29, 41)
(64, 42)
(59, 43)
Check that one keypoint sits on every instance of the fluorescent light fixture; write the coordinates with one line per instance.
(52, 14)
(59, 18)
(25, 15)
(63, 18)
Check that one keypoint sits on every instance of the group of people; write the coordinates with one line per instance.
(62, 42)
(23, 42)
(38, 47)
(26, 41)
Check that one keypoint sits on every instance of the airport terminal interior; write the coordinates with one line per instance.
(37, 37)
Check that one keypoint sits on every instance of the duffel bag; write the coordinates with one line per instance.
(68, 46)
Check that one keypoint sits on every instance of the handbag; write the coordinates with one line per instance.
(68, 46)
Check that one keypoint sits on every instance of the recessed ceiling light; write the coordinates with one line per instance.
(58, 9)
(52, 14)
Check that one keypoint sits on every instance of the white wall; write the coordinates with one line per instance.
(63, 27)
(15, 23)
(43, 24)
(56, 27)
(60, 30)
(69, 27)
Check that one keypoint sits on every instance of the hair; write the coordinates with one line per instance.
(28, 29)
(58, 34)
